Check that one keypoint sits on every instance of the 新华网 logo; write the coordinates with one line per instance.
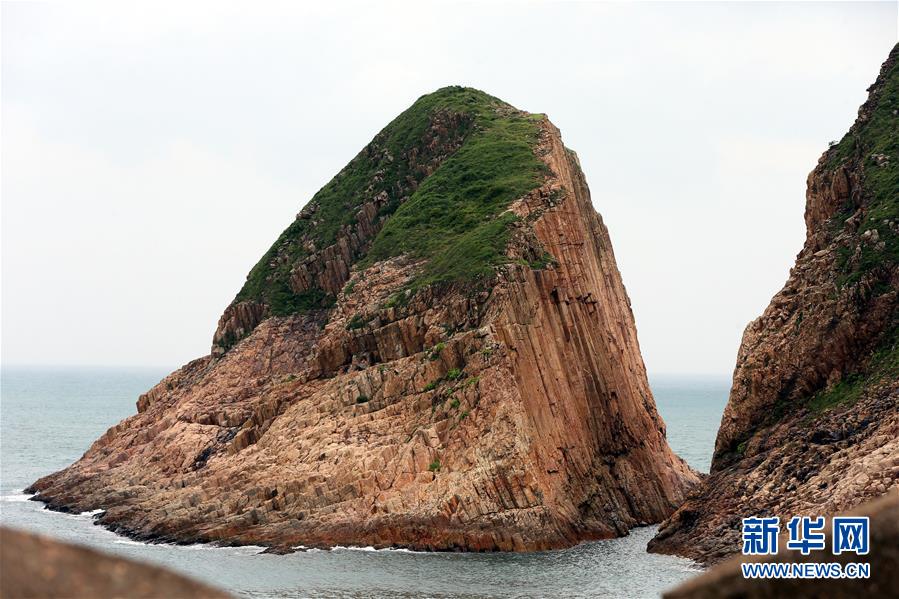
(806, 534)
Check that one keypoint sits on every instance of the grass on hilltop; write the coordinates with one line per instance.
(453, 220)
(878, 135)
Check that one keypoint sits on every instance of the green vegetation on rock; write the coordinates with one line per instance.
(283, 301)
(434, 354)
(358, 321)
(453, 218)
(873, 144)
(871, 147)
(882, 366)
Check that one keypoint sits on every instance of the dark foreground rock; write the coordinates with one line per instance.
(37, 567)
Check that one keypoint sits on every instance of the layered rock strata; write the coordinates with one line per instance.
(504, 411)
(812, 423)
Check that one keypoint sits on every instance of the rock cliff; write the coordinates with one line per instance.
(438, 353)
(812, 423)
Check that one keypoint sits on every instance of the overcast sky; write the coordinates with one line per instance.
(152, 152)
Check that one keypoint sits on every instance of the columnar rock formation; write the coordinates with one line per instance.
(812, 424)
(438, 353)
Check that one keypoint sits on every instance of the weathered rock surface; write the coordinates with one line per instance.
(36, 567)
(812, 423)
(726, 580)
(511, 413)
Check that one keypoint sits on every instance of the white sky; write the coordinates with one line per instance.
(152, 152)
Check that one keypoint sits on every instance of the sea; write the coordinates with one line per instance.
(50, 416)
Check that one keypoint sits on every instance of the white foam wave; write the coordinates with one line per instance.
(241, 550)
(369, 548)
(244, 550)
(128, 542)
(88, 515)
(16, 497)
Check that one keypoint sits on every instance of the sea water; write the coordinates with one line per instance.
(49, 417)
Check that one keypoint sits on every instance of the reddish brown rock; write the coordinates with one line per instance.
(812, 423)
(36, 567)
(515, 416)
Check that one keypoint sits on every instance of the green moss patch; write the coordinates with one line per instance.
(873, 144)
(883, 366)
(453, 220)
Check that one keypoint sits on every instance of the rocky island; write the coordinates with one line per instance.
(438, 353)
(812, 423)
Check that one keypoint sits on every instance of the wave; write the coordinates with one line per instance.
(238, 550)
(369, 548)
(16, 496)
(126, 541)
(89, 515)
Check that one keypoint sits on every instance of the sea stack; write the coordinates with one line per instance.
(438, 353)
(812, 423)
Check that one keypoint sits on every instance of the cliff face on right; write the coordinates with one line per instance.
(812, 423)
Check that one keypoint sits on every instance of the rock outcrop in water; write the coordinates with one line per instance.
(812, 424)
(438, 353)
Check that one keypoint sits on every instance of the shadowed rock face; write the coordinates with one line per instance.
(812, 423)
(504, 411)
(37, 567)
